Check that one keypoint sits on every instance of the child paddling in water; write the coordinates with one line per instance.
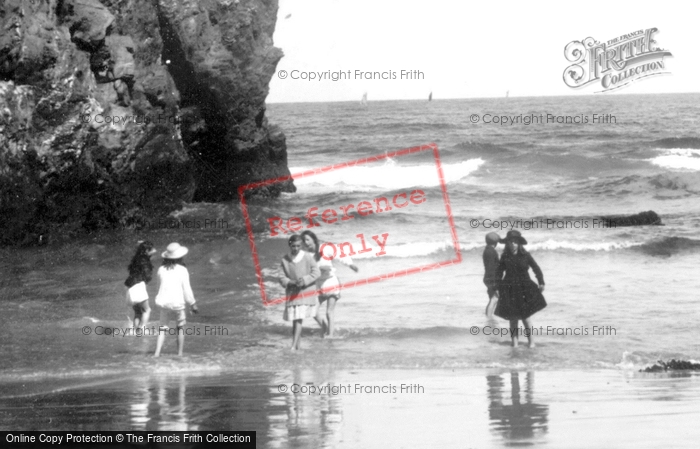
(327, 283)
(520, 297)
(299, 271)
(490, 265)
(174, 293)
(140, 273)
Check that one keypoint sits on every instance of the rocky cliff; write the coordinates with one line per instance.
(112, 111)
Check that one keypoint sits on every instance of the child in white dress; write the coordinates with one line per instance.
(328, 283)
(173, 294)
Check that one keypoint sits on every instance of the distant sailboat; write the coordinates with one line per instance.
(364, 99)
(430, 97)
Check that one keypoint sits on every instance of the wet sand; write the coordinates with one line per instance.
(367, 408)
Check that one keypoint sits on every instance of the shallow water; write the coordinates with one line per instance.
(428, 320)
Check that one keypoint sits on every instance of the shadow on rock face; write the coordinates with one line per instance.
(96, 130)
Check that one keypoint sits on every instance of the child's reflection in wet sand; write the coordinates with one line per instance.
(160, 405)
(516, 421)
(313, 418)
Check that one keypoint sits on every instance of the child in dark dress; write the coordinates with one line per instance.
(490, 265)
(519, 297)
(140, 273)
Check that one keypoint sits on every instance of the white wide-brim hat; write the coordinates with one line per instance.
(175, 251)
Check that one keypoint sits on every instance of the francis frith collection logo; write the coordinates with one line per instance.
(615, 63)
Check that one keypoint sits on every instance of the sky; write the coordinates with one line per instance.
(468, 49)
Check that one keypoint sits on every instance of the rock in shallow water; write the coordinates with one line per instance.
(673, 365)
(641, 219)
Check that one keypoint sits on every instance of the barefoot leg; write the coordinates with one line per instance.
(145, 316)
(137, 318)
(161, 339)
(330, 314)
(321, 320)
(530, 338)
(514, 332)
(296, 334)
(491, 306)
(180, 340)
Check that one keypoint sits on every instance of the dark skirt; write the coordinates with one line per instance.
(518, 301)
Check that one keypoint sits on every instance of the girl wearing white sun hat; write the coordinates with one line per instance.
(173, 294)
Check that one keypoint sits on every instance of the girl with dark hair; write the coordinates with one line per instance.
(140, 273)
(174, 293)
(299, 272)
(328, 283)
(519, 297)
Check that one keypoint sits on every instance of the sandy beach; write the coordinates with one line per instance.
(385, 408)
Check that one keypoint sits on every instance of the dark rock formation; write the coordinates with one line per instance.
(643, 218)
(112, 111)
(673, 365)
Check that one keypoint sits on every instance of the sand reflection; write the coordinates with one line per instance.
(513, 414)
(309, 420)
(160, 404)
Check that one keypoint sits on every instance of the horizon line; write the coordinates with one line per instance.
(592, 94)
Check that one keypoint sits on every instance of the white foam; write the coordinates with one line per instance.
(553, 245)
(581, 246)
(678, 158)
(414, 249)
(419, 249)
(388, 175)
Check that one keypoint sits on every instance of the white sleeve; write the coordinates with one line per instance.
(347, 261)
(186, 288)
(327, 252)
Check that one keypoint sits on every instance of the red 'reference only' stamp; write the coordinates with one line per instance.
(317, 217)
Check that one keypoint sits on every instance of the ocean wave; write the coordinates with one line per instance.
(557, 245)
(416, 126)
(553, 245)
(445, 249)
(676, 142)
(668, 246)
(678, 159)
(416, 249)
(429, 249)
(665, 183)
(387, 176)
(480, 148)
(658, 247)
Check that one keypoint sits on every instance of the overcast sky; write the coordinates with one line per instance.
(469, 49)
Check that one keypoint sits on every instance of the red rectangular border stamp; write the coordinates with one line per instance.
(404, 272)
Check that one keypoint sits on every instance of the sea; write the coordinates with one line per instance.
(554, 168)
(618, 297)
